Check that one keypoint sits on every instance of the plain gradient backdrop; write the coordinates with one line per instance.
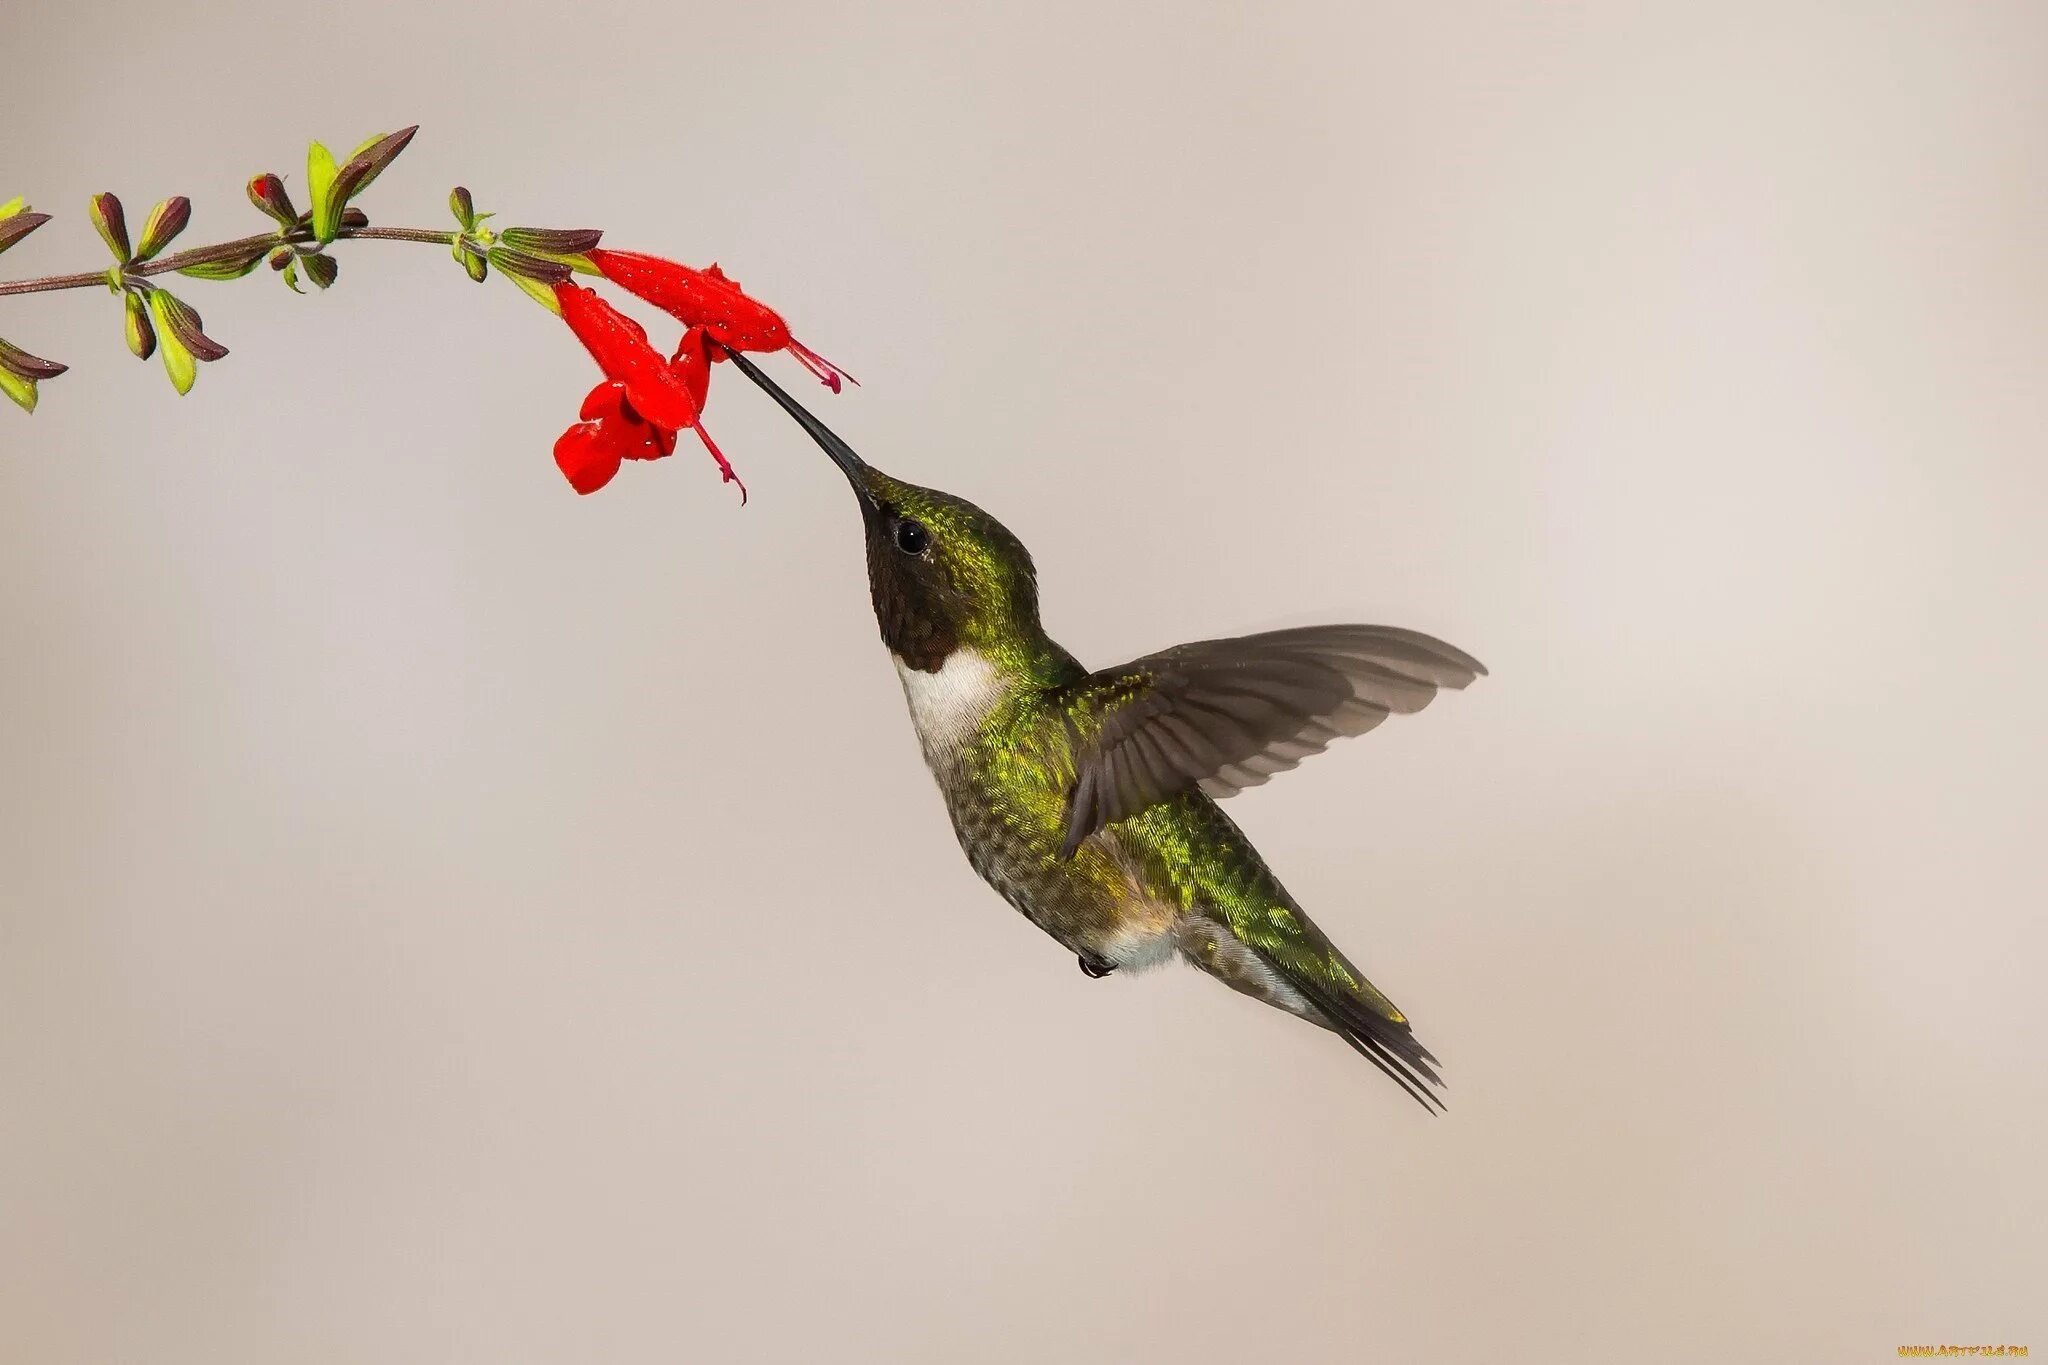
(446, 919)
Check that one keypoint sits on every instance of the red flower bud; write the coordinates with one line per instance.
(620, 348)
(267, 192)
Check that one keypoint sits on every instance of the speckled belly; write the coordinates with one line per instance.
(1097, 903)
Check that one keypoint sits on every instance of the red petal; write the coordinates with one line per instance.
(650, 443)
(606, 401)
(586, 458)
(621, 425)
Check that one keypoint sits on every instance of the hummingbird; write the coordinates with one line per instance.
(1088, 800)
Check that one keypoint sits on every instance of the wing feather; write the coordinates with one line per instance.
(1222, 715)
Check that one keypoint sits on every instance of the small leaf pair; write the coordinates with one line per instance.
(164, 223)
(473, 241)
(332, 185)
(158, 320)
(323, 270)
(463, 206)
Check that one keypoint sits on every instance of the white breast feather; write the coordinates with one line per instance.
(948, 706)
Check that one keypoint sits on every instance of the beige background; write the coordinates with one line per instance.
(445, 920)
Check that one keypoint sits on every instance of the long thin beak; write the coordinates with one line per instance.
(842, 454)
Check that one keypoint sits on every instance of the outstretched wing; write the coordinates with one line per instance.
(1227, 714)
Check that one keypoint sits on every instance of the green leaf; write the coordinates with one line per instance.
(322, 270)
(552, 241)
(368, 161)
(223, 270)
(184, 322)
(291, 275)
(327, 206)
(13, 206)
(15, 226)
(540, 269)
(540, 293)
(231, 269)
(178, 362)
(22, 391)
(26, 366)
(21, 372)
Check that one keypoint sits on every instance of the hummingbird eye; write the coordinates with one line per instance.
(911, 537)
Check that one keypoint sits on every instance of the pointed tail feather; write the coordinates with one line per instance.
(1388, 1044)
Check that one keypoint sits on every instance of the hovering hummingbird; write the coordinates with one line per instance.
(1088, 800)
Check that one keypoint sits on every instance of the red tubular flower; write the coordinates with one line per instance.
(620, 347)
(612, 430)
(707, 299)
(645, 401)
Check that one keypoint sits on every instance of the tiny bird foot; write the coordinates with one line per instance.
(1095, 966)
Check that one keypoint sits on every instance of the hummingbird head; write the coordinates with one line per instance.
(943, 574)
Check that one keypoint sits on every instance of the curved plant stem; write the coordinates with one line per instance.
(223, 251)
(428, 235)
(43, 286)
